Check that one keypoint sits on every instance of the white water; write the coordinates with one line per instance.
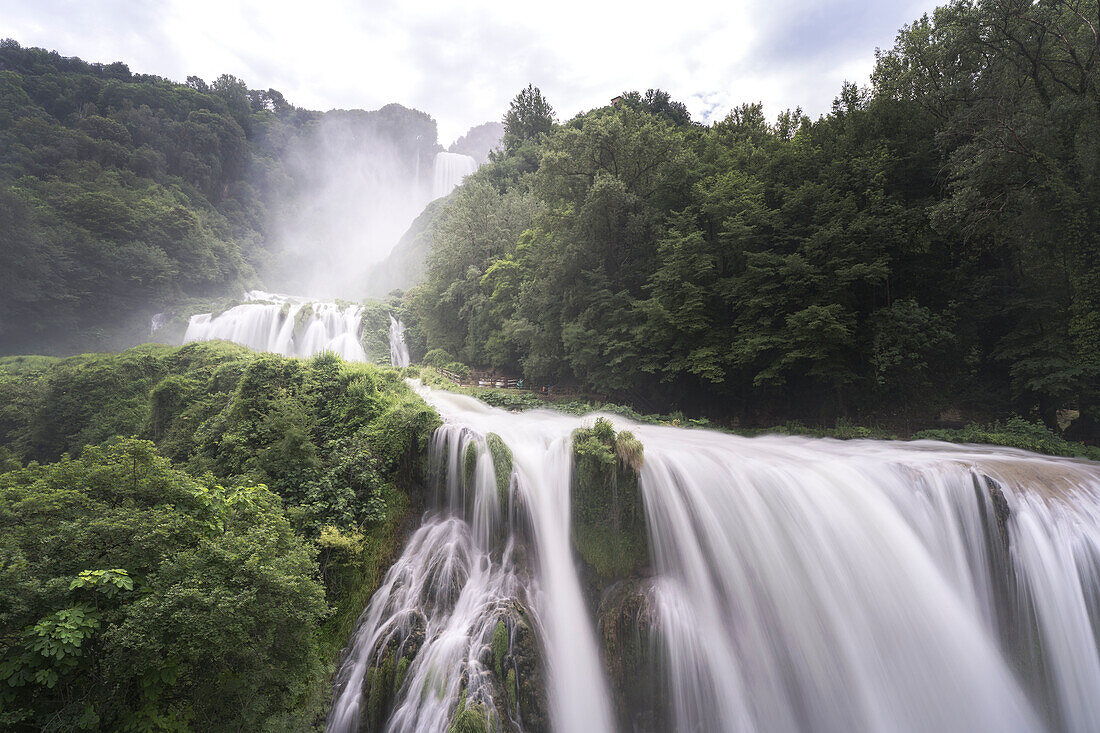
(799, 584)
(399, 350)
(284, 325)
(448, 172)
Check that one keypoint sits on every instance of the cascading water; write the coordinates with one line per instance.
(795, 585)
(449, 170)
(399, 350)
(284, 325)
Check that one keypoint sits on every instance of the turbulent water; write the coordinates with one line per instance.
(284, 325)
(797, 585)
(449, 170)
(399, 351)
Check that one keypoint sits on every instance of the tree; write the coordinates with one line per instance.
(529, 117)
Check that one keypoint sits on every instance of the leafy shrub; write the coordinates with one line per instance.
(1015, 432)
(437, 358)
(137, 593)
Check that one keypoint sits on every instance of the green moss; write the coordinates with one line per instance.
(609, 520)
(399, 676)
(510, 689)
(469, 718)
(611, 553)
(469, 463)
(500, 646)
(302, 317)
(502, 464)
(379, 691)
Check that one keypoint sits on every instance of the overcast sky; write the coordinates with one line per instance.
(463, 61)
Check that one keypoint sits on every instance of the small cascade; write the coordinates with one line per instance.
(795, 584)
(484, 609)
(448, 172)
(284, 325)
(399, 351)
(157, 322)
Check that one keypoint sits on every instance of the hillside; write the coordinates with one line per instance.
(121, 193)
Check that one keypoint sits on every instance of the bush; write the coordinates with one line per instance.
(137, 593)
(437, 358)
(1015, 432)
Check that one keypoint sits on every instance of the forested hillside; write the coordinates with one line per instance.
(204, 573)
(932, 244)
(123, 193)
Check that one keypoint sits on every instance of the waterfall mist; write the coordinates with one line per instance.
(358, 179)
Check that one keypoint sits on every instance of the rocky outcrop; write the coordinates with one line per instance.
(609, 529)
(628, 630)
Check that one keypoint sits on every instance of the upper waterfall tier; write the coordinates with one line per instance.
(449, 170)
(284, 325)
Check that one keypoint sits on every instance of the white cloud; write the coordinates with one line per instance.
(463, 62)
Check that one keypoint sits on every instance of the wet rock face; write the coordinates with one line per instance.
(516, 664)
(994, 492)
(629, 634)
(384, 678)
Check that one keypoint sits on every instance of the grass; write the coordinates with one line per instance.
(1015, 432)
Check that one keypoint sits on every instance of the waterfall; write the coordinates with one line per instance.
(157, 322)
(449, 170)
(399, 351)
(284, 325)
(795, 584)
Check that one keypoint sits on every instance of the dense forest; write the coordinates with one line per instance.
(931, 246)
(122, 194)
(203, 573)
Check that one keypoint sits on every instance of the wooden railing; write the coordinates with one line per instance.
(482, 380)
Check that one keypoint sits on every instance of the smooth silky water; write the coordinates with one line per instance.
(798, 584)
(284, 325)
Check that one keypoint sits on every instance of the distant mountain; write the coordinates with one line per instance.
(479, 141)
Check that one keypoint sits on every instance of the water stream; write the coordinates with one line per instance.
(795, 585)
(399, 351)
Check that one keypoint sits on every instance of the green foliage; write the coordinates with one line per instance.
(437, 358)
(1016, 433)
(529, 117)
(177, 570)
(145, 594)
(608, 516)
(929, 243)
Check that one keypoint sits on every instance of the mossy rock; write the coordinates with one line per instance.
(515, 663)
(628, 630)
(609, 528)
(469, 464)
(385, 677)
(470, 717)
(991, 498)
(502, 465)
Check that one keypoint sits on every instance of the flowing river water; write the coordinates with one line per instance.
(794, 585)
